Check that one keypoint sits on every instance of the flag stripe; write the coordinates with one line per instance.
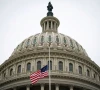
(34, 77)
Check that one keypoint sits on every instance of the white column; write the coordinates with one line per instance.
(7, 72)
(23, 67)
(71, 87)
(76, 68)
(54, 26)
(44, 27)
(67, 65)
(64, 65)
(57, 87)
(15, 69)
(42, 86)
(33, 67)
(47, 25)
(27, 87)
(51, 25)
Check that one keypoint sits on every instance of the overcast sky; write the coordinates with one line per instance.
(79, 19)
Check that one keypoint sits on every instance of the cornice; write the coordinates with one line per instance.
(53, 76)
(54, 53)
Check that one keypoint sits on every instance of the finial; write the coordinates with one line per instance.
(49, 7)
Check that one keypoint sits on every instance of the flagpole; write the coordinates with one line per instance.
(49, 71)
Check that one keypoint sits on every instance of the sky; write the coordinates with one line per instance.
(79, 19)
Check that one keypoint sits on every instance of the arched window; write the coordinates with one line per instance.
(28, 66)
(61, 65)
(19, 69)
(88, 73)
(11, 72)
(50, 65)
(38, 65)
(71, 67)
(80, 69)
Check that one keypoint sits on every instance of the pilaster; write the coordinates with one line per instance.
(28, 87)
(71, 88)
(47, 25)
(57, 87)
(42, 86)
(44, 27)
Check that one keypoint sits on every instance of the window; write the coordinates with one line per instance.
(61, 65)
(11, 72)
(38, 65)
(57, 40)
(80, 69)
(50, 65)
(28, 66)
(88, 73)
(64, 40)
(71, 67)
(19, 69)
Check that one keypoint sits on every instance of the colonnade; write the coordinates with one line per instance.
(42, 87)
(49, 25)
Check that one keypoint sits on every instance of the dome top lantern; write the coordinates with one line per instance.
(49, 23)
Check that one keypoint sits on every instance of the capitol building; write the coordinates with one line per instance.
(70, 66)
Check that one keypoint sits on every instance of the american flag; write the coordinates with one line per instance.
(34, 77)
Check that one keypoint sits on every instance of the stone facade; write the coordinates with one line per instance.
(71, 68)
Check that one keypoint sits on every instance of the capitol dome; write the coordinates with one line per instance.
(57, 41)
(50, 38)
(70, 66)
